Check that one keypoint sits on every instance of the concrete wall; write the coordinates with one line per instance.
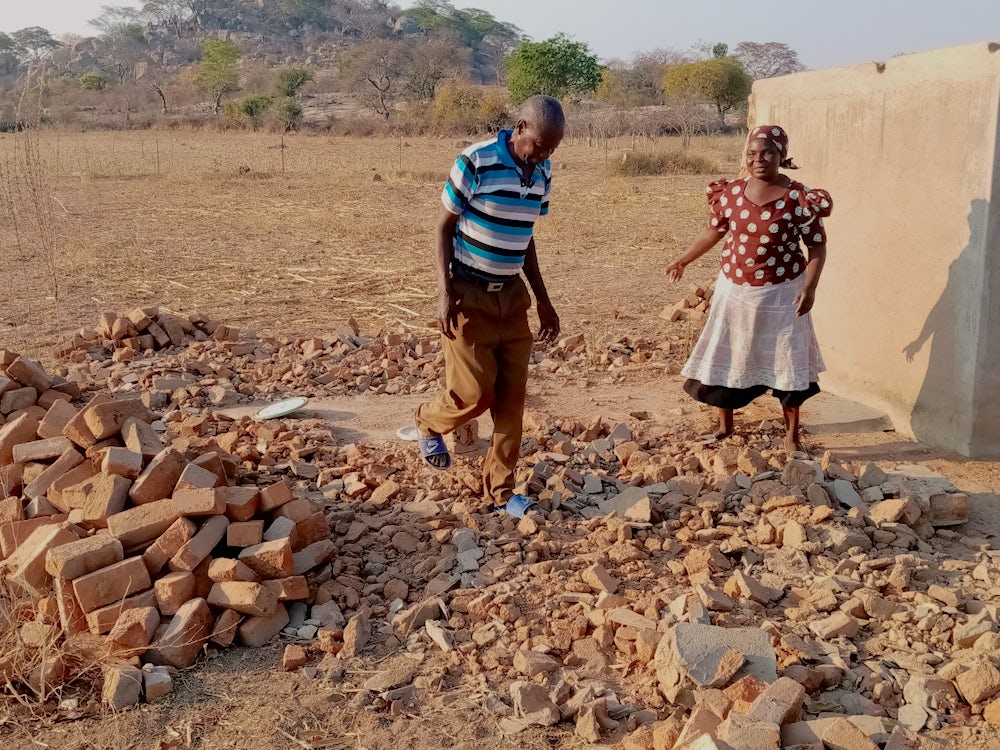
(908, 309)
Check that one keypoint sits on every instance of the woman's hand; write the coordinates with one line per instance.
(675, 270)
(804, 301)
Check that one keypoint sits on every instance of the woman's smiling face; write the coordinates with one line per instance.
(763, 159)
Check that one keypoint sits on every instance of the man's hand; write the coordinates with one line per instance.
(447, 312)
(549, 322)
(675, 270)
(804, 301)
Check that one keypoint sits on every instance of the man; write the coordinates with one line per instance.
(494, 193)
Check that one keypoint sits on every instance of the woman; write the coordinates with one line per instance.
(759, 334)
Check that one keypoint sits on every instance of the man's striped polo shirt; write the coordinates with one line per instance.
(497, 207)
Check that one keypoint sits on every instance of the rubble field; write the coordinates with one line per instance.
(663, 595)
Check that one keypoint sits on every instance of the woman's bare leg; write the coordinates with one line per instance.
(725, 424)
(791, 417)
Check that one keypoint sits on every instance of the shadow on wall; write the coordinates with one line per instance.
(936, 414)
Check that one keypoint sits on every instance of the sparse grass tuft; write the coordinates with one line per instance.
(638, 164)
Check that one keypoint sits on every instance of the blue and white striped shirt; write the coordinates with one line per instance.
(497, 206)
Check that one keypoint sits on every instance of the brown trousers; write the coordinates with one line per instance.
(486, 367)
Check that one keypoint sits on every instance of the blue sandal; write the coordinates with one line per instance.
(434, 445)
(517, 506)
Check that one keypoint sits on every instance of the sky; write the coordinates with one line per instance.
(825, 34)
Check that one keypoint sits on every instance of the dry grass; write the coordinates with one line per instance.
(674, 161)
(211, 222)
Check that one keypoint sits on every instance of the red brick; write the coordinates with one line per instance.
(201, 502)
(279, 528)
(56, 419)
(246, 597)
(156, 683)
(105, 420)
(779, 704)
(292, 588)
(99, 498)
(101, 620)
(270, 559)
(115, 582)
(77, 430)
(158, 480)
(173, 590)
(13, 534)
(68, 387)
(140, 438)
(194, 477)
(11, 511)
(26, 567)
(212, 462)
(224, 630)
(167, 544)
(224, 569)
(28, 372)
(19, 430)
(50, 397)
(242, 503)
(41, 450)
(17, 400)
(144, 522)
(78, 475)
(275, 495)
(11, 479)
(82, 556)
(72, 619)
(122, 462)
(245, 533)
(183, 638)
(134, 630)
(64, 463)
(200, 546)
(122, 686)
(313, 529)
(256, 631)
(297, 510)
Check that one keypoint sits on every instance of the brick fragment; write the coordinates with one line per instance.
(167, 544)
(109, 584)
(599, 579)
(133, 631)
(842, 734)
(779, 704)
(297, 510)
(292, 588)
(280, 528)
(293, 658)
(29, 372)
(256, 631)
(26, 566)
(159, 478)
(173, 590)
(72, 619)
(144, 522)
(224, 630)
(313, 556)
(200, 546)
(67, 482)
(979, 682)
(183, 637)
(51, 396)
(313, 529)
(156, 683)
(246, 597)
(40, 485)
(82, 556)
(101, 620)
(195, 477)
(17, 400)
(212, 463)
(122, 686)
(98, 498)
(242, 503)
(15, 533)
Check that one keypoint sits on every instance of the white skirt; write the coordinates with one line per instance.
(753, 337)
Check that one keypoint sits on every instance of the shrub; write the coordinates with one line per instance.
(247, 112)
(94, 81)
(467, 108)
(635, 164)
(286, 113)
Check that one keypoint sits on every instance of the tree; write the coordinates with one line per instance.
(34, 40)
(94, 81)
(430, 63)
(720, 50)
(303, 11)
(376, 71)
(217, 73)
(767, 59)
(558, 67)
(173, 13)
(123, 40)
(625, 85)
(722, 82)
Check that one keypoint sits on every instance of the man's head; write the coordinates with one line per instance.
(539, 129)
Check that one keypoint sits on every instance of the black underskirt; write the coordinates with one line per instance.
(736, 398)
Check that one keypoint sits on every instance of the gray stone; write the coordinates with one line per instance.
(329, 615)
(845, 493)
(697, 651)
(592, 485)
(632, 504)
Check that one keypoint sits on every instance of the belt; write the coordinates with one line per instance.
(470, 274)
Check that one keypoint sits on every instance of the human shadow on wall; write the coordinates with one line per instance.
(935, 412)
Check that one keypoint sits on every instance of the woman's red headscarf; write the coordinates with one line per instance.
(775, 136)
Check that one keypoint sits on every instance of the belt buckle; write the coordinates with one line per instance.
(494, 286)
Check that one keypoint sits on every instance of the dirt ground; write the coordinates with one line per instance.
(215, 224)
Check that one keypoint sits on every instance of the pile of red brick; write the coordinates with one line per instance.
(694, 306)
(133, 554)
(122, 336)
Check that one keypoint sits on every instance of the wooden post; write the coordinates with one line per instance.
(157, 156)
(282, 153)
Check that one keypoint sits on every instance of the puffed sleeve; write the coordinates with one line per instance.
(717, 200)
(813, 205)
